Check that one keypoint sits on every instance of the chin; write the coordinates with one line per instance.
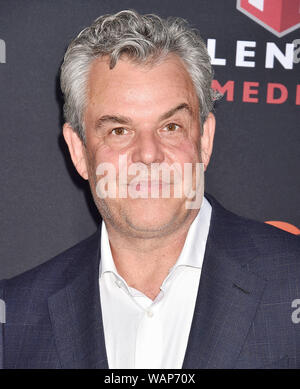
(152, 215)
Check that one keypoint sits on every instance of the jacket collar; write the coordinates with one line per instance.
(76, 316)
(228, 297)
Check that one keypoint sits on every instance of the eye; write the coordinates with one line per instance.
(119, 131)
(172, 127)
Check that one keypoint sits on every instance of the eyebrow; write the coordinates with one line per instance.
(126, 120)
(172, 111)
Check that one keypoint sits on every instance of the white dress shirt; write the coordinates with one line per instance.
(139, 332)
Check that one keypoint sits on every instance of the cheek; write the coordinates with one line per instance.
(96, 156)
(99, 152)
(189, 147)
(187, 151)
(102, 162)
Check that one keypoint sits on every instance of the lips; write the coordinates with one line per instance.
(148, 185)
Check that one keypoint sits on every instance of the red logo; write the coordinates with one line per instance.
(278, 16)
(285, 226)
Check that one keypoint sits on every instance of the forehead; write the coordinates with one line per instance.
(139, 88)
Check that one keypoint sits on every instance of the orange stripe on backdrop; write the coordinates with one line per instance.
(285, 226)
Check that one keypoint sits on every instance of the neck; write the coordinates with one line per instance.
(145, 263)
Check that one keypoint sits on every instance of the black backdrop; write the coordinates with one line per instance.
(46, 207)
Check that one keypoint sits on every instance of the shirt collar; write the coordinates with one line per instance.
(193, 250)
(107, 263)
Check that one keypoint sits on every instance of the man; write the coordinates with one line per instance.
(172, 281)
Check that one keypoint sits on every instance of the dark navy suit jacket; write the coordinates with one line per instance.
(242, 317)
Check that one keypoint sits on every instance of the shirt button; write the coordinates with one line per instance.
(149, 313)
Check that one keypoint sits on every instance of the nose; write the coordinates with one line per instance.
(147, 149)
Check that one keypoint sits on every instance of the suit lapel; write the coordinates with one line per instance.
(228, 295)
(76, 316)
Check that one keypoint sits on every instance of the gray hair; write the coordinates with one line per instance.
(141, 38)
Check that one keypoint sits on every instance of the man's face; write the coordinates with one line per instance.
(147, 114)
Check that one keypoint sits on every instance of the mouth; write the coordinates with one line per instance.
(148, 185)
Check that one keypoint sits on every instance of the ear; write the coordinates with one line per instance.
(207, 139)
(76, 149)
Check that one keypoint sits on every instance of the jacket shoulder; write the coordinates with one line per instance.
(271, 240)
(266, 237)
(278, 250)
(254, 244)
(57, 270)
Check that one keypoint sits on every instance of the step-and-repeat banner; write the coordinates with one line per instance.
(255, 49)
